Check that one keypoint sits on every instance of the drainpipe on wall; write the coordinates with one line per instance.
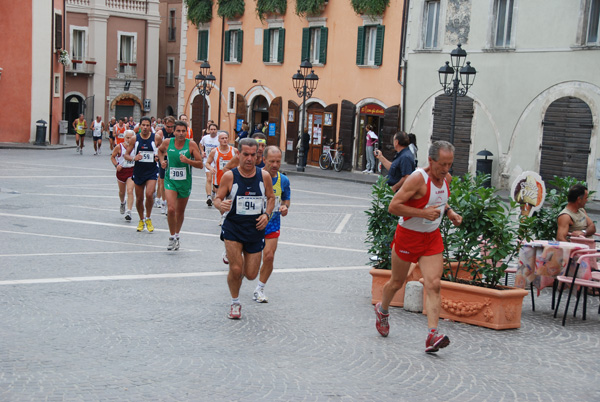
(64, 73)
(51, 74)
(403, 64)
(221, 68)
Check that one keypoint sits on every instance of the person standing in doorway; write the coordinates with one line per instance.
(305, 138)
(371, 141)
(422, 202)
(80, 125)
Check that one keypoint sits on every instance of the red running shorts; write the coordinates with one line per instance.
(411, 245)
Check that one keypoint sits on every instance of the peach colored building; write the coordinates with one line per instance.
(169, 45)
(355, 56)
(31, 78)
(114, 51)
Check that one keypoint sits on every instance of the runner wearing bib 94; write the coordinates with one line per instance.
(182, 154)
(241, 197)
(145, 172)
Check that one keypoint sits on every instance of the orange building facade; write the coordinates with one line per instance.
(356, 58)
(31, 77)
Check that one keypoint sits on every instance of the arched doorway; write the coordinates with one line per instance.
(74, 106)
(124, 108)
(169, 111)
(566, 139)
(260, 112)
(372, 114)
(314, 121)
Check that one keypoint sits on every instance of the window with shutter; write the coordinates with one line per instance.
(202, 45)
(58, 30)
(266, 45)
(379, 45)
(369, 48)
(360, 46)
(281, 47)
(323, 46)
(227, 46)
(240, 45)
(305, 44)
(593, 28)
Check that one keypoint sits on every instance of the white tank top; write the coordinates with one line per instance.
(437, 196)
(97, 128)
(121, 159)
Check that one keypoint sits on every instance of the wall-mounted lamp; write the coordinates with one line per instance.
(254, 81)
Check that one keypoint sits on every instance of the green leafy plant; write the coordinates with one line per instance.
(265, 7)
(370, 7)
(231, 8)
(489, 236)
(199, 11)
(309, 7)
(381, 225)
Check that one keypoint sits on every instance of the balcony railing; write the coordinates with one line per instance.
(81, 66)
(131, 6)
(126, 69)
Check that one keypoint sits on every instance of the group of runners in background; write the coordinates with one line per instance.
(153, 163)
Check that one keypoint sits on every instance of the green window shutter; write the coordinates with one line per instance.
(203, 46)
(240, 45)
(266, 44)
(379, 45)
(227, 45)
(305, 44)
(360, 47)
(281, 45)
(323, 46)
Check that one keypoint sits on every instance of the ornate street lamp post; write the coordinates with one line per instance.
(305, 84)
(205, 81)
(452, 84)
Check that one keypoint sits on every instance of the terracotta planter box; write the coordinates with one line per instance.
(381, 276)
(490, 308)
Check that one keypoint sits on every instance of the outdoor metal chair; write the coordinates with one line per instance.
(584, 284)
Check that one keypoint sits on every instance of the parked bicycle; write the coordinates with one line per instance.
(332, 156)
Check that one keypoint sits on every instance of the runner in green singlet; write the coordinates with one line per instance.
(181, 154)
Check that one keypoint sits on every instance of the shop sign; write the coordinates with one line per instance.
(372, 109)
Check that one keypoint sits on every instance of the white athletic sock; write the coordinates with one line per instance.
(235, 300)
(177, 235)
(260, 285)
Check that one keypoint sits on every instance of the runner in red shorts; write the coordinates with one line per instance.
(124, 173)
(422, 201)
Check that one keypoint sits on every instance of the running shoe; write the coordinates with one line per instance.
(157, 203)
(435, 342)
(81, 151)
(225, 259)
(99, 151)
(209, 201)
(172, 243)
(96, 153)
(128, 216)
(140, 226)
(77, 149)
(259, 296)
(235, 313)
(122, 208)
(221, 220)
(382, 324)
(176, 244)
(163, 211)
(149, 225)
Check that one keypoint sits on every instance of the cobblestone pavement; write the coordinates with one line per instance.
(92, 310)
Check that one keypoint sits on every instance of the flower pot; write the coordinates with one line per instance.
(380, 278)
(491, 308)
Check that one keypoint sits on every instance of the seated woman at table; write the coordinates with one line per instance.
(573, 219)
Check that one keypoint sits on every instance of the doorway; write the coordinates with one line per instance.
(260, 112)
(73, 108)
(370, 114)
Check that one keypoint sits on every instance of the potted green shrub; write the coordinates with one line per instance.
(199, 11)
(231, 9)
(369, 7)
(310, 7)
(264, 8)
